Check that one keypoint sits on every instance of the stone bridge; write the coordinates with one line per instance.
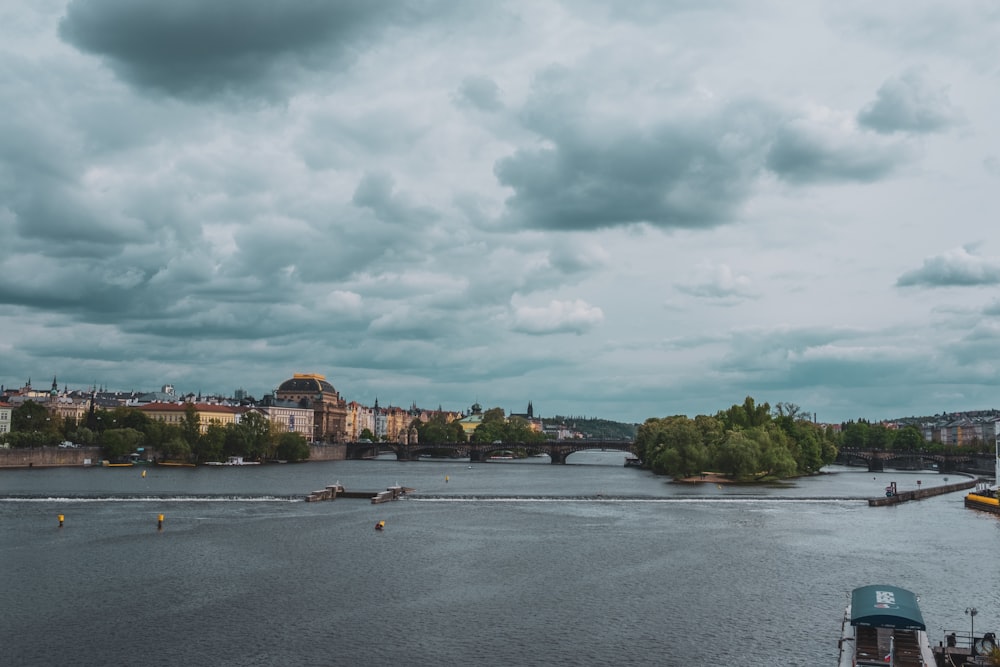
(877, 459)
(557, 450)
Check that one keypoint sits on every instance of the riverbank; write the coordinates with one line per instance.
(48, 457)
(706, 478)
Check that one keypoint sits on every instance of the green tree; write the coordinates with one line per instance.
(489, 431)
(518, 430)
(257, 435)
(747, 415)
(672, 446)
(438, 430)
(210, 446)
(175, 449)
(739, 455)
(292, 446)
(118, 443)
(855, 434)
(32, 417)
(776, 458)
(909, 439)
(880, 437)
(494, 415)
(191, 426)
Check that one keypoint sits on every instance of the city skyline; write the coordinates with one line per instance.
(620, 211)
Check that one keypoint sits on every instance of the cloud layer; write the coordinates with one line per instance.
(613, 211)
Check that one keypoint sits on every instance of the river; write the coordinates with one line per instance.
(507, 563)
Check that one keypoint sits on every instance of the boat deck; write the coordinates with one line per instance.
(874, 644)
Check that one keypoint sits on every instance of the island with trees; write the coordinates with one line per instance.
(745, 443)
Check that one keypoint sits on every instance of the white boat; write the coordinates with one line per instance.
(233, 461)
(883, 627)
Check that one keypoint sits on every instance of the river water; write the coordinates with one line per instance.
(507, 563)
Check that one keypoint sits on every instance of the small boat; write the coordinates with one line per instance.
(233, 461)
(883, 626)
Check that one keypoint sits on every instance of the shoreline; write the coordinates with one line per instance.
(705, 478)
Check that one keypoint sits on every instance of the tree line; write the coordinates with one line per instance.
(494, 427)
(745, 442)
(862, 434)
(123, 431)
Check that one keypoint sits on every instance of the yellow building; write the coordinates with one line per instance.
(472, 420)
(206, 413)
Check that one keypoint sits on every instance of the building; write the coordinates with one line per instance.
(359, 418)
(471, 421)
(288, 416)
(6, 411)
(312, 391)
(206, 413)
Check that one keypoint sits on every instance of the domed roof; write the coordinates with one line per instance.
(307, 383)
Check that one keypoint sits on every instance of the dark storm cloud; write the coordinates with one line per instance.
(804, 155)
(692, 170)
(908, 103)
(955, 268)
(673, 175)
(195, 49)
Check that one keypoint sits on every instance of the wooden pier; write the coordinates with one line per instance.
(337, 490)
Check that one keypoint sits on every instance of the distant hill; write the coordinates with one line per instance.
(596, 429)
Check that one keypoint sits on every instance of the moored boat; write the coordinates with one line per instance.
(883, 626)
(986, 497)
(233, 461)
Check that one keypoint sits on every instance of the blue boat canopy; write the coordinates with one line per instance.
(881, 606)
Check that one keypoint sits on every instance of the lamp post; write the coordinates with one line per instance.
(972, 611)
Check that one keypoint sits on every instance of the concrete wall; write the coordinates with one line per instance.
(49, 456)
(335, 452)
(54, 456)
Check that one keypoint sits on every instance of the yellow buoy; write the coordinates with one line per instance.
(446, 479)
(60, 520)
(143, 473)
(159, 522)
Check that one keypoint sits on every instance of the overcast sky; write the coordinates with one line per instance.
(610, 209)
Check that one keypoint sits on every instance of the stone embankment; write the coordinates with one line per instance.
(49, 456)
(919, 494)
(87, 456)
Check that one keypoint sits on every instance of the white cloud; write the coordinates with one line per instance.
(717, 281)
(575, 316)
(956, 267)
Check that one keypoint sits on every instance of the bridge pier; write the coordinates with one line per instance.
(557, 457)
(876, 464)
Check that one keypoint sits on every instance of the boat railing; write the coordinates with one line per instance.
(968, 647)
